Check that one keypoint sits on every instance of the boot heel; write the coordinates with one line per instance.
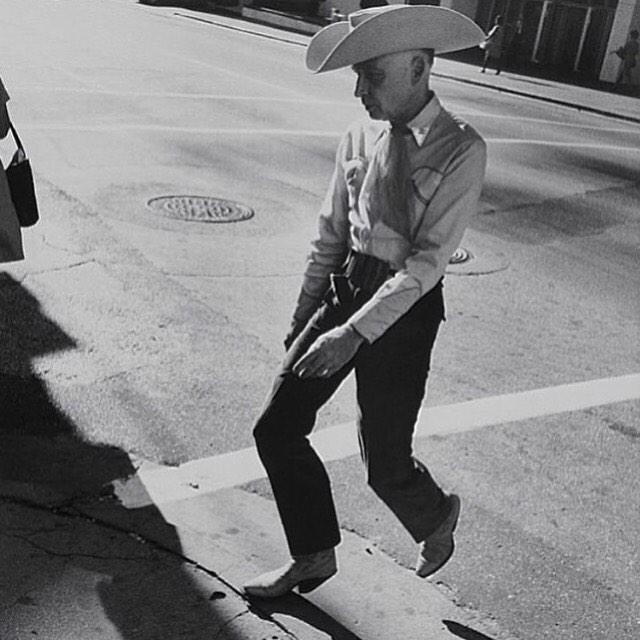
(304, 586)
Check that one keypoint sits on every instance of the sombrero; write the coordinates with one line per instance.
(375, 32)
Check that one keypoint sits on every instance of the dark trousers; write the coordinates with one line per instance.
(391, 375)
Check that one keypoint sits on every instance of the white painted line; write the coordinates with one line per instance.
(181, 95)
(119, 128)
(154, 484)
(524, 405)
(116, 128)
(170, 95)
(235, 74)
(553, 143)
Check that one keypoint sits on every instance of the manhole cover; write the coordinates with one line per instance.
(200, 209)
(460, 256)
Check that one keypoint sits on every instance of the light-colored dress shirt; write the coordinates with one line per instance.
(447, 161)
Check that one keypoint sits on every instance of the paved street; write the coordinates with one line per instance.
(138, 341)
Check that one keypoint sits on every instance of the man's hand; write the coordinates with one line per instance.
(329, 353)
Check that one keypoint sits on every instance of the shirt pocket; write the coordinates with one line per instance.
(425, 183)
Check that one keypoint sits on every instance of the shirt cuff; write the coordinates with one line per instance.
(386, 306)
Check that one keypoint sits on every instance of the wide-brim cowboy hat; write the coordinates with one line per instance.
(371, 33)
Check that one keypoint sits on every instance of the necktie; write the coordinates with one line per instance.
(390, 185)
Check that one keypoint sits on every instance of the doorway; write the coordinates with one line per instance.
(566, 35)
(561, 40)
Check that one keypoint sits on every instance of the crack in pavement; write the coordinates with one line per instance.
(57, 247)
(230, 621)
(58, 554)
(66, 267)
(74, 513)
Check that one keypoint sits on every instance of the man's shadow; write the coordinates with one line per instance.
(43, 454)
(464, 632)
(296, 606)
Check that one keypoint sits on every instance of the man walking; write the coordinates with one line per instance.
(405, 184)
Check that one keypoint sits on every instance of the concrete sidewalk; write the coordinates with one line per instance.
(120, 567)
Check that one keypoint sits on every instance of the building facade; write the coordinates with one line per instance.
(568, 36)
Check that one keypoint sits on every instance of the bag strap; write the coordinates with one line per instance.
(16, 137)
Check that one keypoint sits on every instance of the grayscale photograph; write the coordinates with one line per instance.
(320, 319)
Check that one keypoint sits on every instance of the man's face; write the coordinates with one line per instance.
(387, 86)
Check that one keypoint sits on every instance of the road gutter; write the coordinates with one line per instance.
(534, 96)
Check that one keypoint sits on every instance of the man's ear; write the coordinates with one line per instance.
(418, 67)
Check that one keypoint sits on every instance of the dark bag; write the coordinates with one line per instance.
(20, 179)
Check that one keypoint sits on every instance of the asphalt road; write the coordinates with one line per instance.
(161, 335)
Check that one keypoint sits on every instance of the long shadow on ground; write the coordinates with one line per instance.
(47, 468)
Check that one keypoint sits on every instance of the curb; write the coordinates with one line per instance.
(283, 21)
(266, 36)
(563, 103)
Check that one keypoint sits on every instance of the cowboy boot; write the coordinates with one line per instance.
(437, 548)
(304, 572)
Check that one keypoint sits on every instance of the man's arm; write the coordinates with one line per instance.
(328, 250)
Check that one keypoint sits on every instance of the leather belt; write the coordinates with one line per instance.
(366, 272)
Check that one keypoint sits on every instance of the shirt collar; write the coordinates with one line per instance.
(421, 123)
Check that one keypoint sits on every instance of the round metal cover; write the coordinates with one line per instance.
(460, 256)
(200, 209)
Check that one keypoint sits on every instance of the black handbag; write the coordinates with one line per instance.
(20, 179)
